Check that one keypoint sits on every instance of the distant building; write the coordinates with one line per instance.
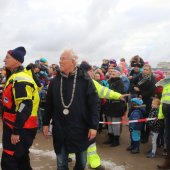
(164, 66)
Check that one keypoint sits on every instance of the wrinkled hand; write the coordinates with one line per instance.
(136, 89)
(92, 134)
(45, 131)
(123, 96)
(15, 139)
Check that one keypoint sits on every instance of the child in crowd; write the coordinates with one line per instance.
(135, 128)
(43, 94)
(155, 126)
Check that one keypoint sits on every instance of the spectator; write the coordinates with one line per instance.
(115, 109)
(155, 126)
(144, 86)
(159, 75)
(136, 127)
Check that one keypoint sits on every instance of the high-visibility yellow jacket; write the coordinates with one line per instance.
(164, 100)
(20, 87)
(105, 92)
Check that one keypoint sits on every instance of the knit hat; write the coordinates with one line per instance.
(113, 61)
(85, 66)
(138, 101)
(18, 53)
(160, 73)
(117, 71)
(43, 60)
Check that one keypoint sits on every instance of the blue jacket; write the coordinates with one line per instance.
(137, 113)
(126, 83)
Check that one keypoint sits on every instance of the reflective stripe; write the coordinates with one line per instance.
(92, 145)
(91, 153)
(102, 91)
(31, 122)
(166, 101)
(93, 158)
(166, 94)
(108, 93)
(42, 109)
(9, 116)
(22, 78)
(8, 152)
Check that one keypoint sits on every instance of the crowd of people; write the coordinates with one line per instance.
(69, 100)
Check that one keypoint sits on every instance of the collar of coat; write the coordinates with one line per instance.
(80, 73)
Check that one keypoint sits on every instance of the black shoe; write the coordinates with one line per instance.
(135, 150)
(100, 167)
(99, 131)
(129, 148)
(115, 141)
(110, 139)
(107, 142)
(165, 153)
(114, 144)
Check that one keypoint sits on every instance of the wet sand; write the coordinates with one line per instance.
(117, 158)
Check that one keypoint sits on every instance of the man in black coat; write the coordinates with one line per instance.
(72, 104)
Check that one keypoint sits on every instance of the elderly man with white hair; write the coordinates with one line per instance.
(72, 104)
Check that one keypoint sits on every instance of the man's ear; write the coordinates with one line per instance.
(74, 62)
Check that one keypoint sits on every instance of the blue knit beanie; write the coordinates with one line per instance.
(138, 101)
(18, 53)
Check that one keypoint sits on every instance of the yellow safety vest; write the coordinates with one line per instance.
(165, 99)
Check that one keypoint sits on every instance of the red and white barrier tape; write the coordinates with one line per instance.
(128, 121)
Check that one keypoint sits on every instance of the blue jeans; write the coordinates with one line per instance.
(62, 160)
(40, 117)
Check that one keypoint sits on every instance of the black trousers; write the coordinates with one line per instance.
(19, 160)
(166, 112)
(9, 162)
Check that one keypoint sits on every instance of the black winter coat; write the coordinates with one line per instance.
(72, 130)
(147, 90)
(115, 108)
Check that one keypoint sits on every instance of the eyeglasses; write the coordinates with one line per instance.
(65, 58)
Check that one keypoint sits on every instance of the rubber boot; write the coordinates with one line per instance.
(110, 139)
(115, 142)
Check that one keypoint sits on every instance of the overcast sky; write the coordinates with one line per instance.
(94, 29)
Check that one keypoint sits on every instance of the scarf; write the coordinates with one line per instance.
(144, 79)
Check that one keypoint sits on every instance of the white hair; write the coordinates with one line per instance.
(72, 55)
